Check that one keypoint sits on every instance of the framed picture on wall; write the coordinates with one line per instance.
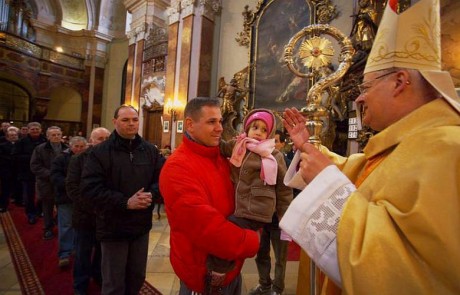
(165, 126)
(180, 126)
(272, 84)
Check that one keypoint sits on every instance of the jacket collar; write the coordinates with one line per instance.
(204, 151)
(129, 144)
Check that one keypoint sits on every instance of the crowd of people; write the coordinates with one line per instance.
(96, 195)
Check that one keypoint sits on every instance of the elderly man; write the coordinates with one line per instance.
(22, 154)
(40, 165)
(87, 249)
(8, 176)
(386, 221)
(4, 131)
(59, 167)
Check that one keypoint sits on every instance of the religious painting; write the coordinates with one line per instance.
(273, 85)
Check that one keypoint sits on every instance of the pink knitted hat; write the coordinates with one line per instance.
(261, 115)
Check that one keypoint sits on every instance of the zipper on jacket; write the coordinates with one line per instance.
(131, 156)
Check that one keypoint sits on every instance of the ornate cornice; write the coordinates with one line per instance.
(173, 12)
(183, 8)
(210, 8)
(188, 7)
(138, 33)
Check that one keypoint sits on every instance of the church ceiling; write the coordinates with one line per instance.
(107, 16)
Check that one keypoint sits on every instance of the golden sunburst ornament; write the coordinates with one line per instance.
(316, 52)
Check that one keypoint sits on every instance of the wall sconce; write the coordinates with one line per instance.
(172, 106)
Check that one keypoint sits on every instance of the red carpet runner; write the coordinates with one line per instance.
(35, 259)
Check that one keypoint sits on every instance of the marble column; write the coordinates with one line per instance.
(188, 71)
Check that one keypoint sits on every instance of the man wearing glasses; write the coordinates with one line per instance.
(386, 221)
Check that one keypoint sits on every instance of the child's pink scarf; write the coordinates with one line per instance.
(264, 148)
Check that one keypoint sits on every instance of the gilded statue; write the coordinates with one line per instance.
(365, 25)
(233, 106)
(229, 94)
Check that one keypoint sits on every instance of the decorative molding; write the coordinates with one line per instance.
(188, 7)
(324, 11)
(210, 8)
(156, 46)
(40, 52)
(173, 12)
(138, 33)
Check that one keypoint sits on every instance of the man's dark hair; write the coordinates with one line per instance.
(117, 110)
(282, 135)
(194, 106)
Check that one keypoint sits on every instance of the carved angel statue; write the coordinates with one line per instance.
(233, 103)
(231, 95)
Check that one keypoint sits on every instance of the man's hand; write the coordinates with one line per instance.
(312, 162)
(140, 200)
(294, 123)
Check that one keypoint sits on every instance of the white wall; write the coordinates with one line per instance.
(231, 56)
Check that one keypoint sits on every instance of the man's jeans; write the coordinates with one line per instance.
(65, 230)
(271, 234)
(87, 263)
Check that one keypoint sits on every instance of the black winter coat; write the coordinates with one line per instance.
(40, 165)
(114, 171)
(83, 215)
(59, 167)
(7, 166)
(22, 153)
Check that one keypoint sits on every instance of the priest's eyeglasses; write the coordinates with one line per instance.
(363, 88)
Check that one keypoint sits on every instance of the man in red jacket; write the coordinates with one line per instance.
(199, 195)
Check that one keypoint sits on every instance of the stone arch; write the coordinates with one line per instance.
(93, 8)
(48, 11)
(15, 101)
(20, 81)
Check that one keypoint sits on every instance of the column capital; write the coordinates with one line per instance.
(173, 12)
(137, 33)
(188, 7)
(209, 8)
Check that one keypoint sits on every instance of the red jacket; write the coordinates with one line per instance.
(199, 195)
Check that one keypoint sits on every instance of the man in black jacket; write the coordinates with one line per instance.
(40, 165)
(22, 153)
(62, 201)
(87, 249)
(119, 178)
(9, 180)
